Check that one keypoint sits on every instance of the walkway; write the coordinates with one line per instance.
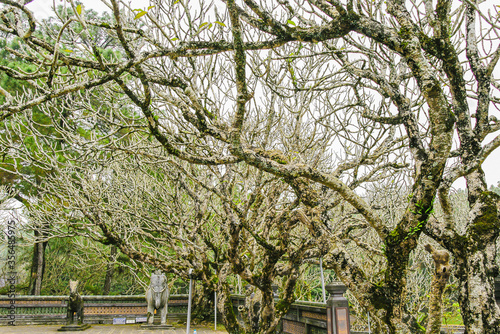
(104, 329)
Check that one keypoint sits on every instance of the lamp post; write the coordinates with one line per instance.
(188, 325)
(338, 309)
(215, 307)
(322, 279)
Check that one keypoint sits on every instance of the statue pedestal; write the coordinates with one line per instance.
(156, 326)
(74, 328)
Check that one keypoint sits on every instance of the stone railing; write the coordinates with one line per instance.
(313, 318)
(306, 318)
(98, 309)
(302, 318)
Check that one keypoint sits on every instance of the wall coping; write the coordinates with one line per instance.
(85, 297)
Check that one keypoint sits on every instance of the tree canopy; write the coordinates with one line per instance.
(305, 103)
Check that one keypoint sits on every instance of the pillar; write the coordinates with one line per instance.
(338, 309)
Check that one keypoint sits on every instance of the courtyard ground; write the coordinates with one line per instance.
(105, 329)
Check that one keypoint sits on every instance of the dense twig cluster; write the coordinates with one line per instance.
(236, 138)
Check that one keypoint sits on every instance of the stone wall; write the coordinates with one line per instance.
(302, 318)
(98, 309)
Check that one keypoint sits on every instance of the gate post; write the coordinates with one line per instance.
(337, 309)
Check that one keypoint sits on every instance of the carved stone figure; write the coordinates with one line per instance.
(75, 304)
(157, 297)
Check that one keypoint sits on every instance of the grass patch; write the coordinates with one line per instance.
(453, 320)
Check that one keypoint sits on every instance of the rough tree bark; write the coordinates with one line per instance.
(110, 269)
(401, 51)
(37, 266)
(474, 255)
(442, 271)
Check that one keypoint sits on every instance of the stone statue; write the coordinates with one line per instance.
(75, 304)
(157, 297)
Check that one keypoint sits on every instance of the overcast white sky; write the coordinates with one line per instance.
(43, 9)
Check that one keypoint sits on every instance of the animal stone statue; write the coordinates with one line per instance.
(75, 304)
(157, 297)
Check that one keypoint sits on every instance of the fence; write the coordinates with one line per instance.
(32, 310)
(313, 318)
(302, 318)
(306, 318)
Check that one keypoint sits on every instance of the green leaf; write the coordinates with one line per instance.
(174, 39)
(220, 23)
(66, 50)
(140, 14)
(202, 25)
(79, 9)
(151, 7)
(177, 1)
(291, 22)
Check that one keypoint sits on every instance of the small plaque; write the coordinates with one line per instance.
(141, 319)
(130, 321)
(342, 320)
(119, 321)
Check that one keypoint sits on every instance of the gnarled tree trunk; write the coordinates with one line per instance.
(475, 255)
(479, 311)
(110, 270)
(37, 267)
(442, 271)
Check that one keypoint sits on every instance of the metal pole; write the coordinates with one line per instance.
(239, 285)
(322, 279)
(215, 307)
(369, 329)
(189, 301)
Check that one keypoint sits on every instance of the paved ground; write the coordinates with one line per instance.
(105, 329)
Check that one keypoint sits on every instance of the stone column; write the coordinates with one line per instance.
(338, 309)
